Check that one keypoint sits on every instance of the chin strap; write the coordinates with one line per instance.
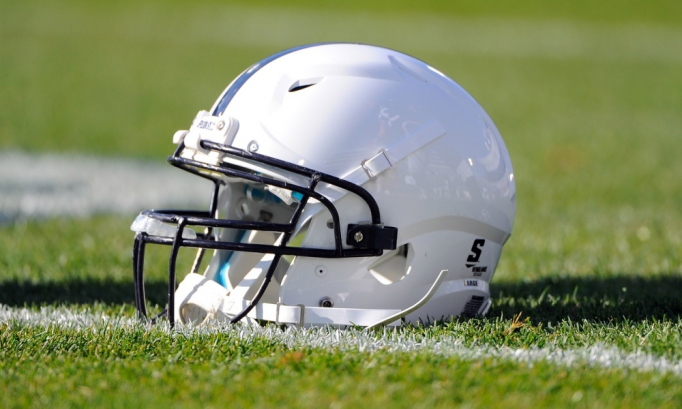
(198, 299)
(201, 300)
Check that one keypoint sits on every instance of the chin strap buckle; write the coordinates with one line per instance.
(377, 164)
(372, 236)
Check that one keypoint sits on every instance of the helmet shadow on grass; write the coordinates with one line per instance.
(79, 292)
(610, 299)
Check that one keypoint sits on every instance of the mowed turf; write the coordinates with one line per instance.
(587, 97)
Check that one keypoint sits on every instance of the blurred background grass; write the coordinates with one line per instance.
(587, 95)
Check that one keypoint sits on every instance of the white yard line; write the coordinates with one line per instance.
(597, 356)
(43, 185)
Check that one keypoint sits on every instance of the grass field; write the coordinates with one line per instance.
(587, 309)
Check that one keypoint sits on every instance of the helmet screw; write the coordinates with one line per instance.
(253, 146)
(326, 302)
(220, 125)
(358, 236)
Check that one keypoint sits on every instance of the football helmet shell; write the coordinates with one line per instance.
(354, 185)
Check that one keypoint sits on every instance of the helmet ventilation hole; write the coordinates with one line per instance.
(320, 271)
(300, 87)
(303, 84)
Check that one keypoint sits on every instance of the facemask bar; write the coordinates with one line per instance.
(373, 237)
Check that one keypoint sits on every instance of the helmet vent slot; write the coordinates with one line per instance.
(303, 84)
(300, 87)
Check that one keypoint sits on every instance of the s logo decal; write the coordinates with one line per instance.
(476, 250)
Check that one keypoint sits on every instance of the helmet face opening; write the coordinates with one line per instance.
(256, 229)
(352, 185)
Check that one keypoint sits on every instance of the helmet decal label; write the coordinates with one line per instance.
(476, 250)
(474, 257)
(207, 125)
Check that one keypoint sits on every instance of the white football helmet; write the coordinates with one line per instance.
(354, 185)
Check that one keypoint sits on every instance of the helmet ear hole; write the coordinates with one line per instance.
(393, 266)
